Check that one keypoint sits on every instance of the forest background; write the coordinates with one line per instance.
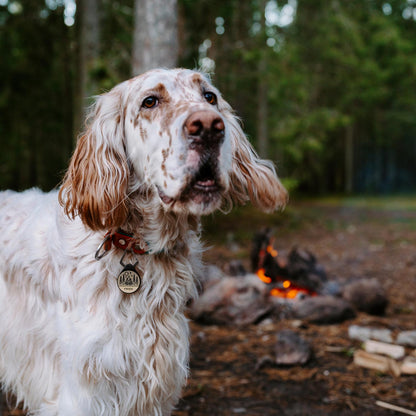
(325, 88)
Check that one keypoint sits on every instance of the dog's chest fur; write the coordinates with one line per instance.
(110, 350)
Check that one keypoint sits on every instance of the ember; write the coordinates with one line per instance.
(290, 291)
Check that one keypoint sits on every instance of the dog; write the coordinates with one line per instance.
(95, 276)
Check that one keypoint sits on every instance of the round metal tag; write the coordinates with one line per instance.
(129, 280)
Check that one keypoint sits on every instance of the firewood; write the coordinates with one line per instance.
(395, 408)
(408, 365)
(362, 333)
(376, 362)
(391, 350)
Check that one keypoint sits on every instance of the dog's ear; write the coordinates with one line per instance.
(95, 185)
(253, 178)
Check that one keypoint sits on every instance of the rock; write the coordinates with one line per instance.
(291, 348)
(367, 295)
(263, 361)
(232, 301)
(407, 338)
(362, 333)
(236, 268)
(210, 275)
(332, 288)
(323, 309)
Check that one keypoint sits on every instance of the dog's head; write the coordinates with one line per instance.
(170, 134)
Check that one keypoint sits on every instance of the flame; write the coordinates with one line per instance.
(263, 277)
(272, 251)
(277, 292)
(293, 293)
(285, 293)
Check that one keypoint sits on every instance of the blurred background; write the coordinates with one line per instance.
(325, 88)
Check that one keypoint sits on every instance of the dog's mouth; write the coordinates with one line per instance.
(206, 179)
(203, 187)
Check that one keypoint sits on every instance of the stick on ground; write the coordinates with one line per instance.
(395, 408)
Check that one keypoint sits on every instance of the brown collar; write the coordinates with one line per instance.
(122, 240)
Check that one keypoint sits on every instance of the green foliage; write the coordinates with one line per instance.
(346, 65)
(340, 68)
(35, 98)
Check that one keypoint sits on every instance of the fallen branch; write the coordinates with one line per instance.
(395, 408)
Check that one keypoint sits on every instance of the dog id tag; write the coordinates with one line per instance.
(129, 280)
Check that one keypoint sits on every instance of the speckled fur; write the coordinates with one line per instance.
(70, 342)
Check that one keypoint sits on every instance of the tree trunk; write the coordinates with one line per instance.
(262, 89)
(155, 40)
(89, 48)
(262, 109)
(349, 159)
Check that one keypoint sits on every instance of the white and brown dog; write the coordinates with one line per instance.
(159, 151)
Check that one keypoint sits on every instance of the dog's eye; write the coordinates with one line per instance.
(210, 97)
(150, 102)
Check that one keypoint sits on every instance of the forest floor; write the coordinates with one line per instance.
(352, 238)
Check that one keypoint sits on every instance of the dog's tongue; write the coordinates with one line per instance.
(208, 182)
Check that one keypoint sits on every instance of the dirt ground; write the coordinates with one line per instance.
(351, 239)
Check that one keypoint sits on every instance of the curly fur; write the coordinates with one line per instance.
(70, 342)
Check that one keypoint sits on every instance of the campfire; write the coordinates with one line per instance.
(296, 277)
(241, 298)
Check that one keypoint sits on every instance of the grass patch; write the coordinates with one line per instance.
(401, 202)
(242, 222)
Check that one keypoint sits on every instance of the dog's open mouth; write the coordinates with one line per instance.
(205, 180)
(203, 187)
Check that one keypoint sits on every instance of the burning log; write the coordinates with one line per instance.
(304, 269)
(264, 256)
(300, 274)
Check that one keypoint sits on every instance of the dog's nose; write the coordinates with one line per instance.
(204, 127)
